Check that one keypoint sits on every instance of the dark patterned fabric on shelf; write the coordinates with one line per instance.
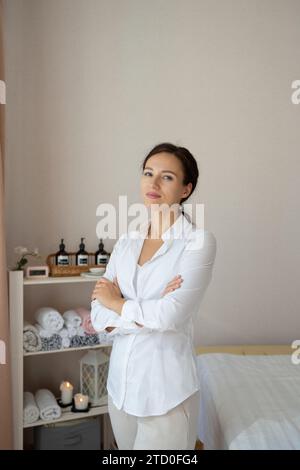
(54, 342)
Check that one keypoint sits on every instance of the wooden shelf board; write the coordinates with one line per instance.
(54, 351)
(58, 280)
(69, 416)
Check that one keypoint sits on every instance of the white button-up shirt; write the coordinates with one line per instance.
(153, 368)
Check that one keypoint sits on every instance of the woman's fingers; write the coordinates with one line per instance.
(173, 285)
(96, 290)
(175, 282)
(171, 288)
(102, 280)
(98, 284)
(176, 278)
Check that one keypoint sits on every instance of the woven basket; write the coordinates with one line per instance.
(71, 269)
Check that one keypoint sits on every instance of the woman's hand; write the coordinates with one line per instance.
(107, 292)
(172, 285)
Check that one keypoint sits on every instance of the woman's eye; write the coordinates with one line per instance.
(166, 176)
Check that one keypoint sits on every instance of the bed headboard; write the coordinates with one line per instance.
(247, 349)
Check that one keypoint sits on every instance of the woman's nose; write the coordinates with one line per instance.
(155, 183)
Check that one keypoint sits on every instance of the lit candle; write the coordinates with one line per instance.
(81, 401)
(66, 393)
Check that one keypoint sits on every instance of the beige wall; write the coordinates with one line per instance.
(92, 85)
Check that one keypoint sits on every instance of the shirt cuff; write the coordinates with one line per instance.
(105, 317)
(127, 312)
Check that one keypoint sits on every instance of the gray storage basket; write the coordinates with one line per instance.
(81, 434)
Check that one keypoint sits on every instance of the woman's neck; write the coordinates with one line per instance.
(160, 222)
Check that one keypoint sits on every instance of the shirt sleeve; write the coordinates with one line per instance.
(103, 317)
(173, 310)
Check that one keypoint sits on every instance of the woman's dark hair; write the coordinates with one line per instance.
(188, 163)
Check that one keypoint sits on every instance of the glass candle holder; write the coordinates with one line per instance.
(81, 402)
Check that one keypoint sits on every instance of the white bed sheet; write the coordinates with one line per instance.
(249, 402)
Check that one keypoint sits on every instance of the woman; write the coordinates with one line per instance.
(153, 386)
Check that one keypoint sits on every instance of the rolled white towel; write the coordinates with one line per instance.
(72, 318)
(30, 409)
(47, 405)
(42, 332)
(49, 319)
(31, 338)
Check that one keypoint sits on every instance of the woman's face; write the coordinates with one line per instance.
(163, 177)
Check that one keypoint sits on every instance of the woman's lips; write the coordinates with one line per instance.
(152, 196)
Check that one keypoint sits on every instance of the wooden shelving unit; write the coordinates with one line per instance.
(17, 284)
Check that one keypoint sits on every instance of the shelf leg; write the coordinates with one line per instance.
(16, 303)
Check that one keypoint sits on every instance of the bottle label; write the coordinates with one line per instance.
(102, 259)
(82, 260)
(62, 260)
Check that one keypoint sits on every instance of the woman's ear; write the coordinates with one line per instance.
(188, 190)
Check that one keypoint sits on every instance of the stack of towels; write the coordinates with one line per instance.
(43, 405)
(55, 331)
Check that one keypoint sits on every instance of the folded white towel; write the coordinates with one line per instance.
(73, 331)
(47, 404)
(80, 331)
(65, 343)
(49, 319)
(72, 318)
(30, 409)
(65, 340)
(63, 332)
(31, 338)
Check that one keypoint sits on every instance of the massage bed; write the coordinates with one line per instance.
(249, 399)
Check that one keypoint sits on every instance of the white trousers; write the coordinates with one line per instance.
(175, 430)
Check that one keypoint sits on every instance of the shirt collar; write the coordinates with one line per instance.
(178, 230)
